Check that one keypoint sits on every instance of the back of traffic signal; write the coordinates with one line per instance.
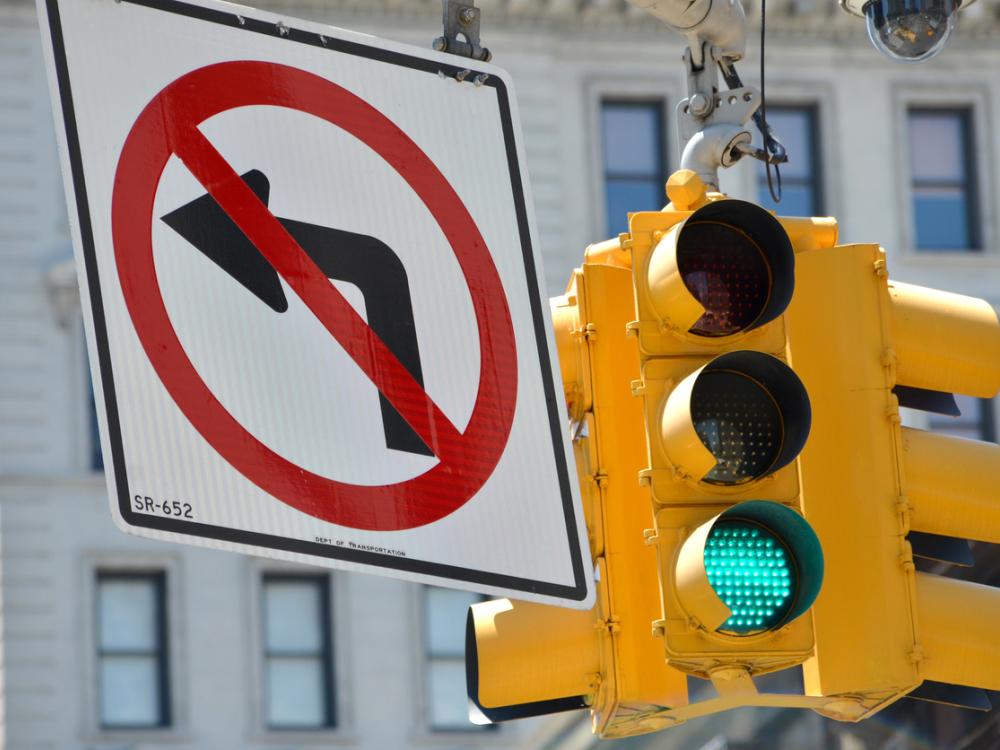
(753, 502)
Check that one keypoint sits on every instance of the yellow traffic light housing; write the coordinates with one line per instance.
(868, 483)
(726, 418)
(527, 659)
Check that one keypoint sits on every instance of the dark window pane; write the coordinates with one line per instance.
(941, 216)
(944, 199)
(632, 137)
(625, 196)
(632, 134)
(795, 127)
(975, 422)
(796, 200)
(937, 146)
(96, 455)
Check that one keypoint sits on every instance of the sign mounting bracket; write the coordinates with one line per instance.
(461, 22)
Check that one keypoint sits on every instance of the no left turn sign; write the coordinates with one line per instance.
(315, 321)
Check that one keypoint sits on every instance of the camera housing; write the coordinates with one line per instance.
(908, 31)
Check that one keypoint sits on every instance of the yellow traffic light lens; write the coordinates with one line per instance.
(739, 422)
(725, 270)
(752, 573)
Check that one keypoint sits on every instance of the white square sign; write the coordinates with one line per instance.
(312, 297)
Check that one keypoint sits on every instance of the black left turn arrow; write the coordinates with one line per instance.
(358, 259)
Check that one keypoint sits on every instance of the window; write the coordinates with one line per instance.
(447, 702)
(945, 214)
(133, 684)
(975, 423)
(634, 163)
(801, 190)
(95, 454)
(298, 655)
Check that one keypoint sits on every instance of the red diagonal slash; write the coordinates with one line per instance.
(168, 126)
(311, 285)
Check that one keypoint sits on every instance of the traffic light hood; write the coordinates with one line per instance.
(749, 570)
(736, 419)
(727, 268)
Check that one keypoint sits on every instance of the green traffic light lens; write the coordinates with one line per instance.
(753, 573)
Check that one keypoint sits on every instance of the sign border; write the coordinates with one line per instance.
(575, 592)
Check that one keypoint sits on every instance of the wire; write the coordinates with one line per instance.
(769, 140)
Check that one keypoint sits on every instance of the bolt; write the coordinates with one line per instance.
(700, 105)
(467, 16)
(440, 44)
(685, 189)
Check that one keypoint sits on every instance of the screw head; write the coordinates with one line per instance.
(467, 16)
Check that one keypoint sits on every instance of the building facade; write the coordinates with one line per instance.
(115, 642)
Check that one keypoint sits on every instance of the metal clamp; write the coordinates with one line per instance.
(461, 31)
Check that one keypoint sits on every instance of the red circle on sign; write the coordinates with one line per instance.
(168, 126)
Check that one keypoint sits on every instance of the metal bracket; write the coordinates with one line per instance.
(705, 104)
(461, 31)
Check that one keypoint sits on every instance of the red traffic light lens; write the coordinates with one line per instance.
(727, 273)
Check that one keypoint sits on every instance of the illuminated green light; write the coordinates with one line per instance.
(752, 573)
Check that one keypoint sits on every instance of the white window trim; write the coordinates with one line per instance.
(423, 734)
(627, 85)
(951, 96)
(124, 562)
(258, 731)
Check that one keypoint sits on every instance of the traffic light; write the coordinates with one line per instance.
(880, 494)
(671, 332)
(726, 418)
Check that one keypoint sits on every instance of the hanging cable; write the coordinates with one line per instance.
(771, 144)
(773, 153)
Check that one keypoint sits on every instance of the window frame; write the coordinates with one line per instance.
(158, 579)
(975, 98)
(124, 563)
(969, 184)
(628, 85)
(658, 106)
(322, 582)
(654, 104)
(257, 730)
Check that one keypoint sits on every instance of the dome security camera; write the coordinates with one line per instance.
(907, 30)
